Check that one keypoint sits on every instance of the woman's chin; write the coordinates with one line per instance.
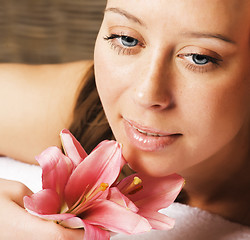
(149, 169)
(149, 163)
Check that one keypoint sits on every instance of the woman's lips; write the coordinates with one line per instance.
(148, 139)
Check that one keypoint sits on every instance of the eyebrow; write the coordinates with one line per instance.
(189, 34)
(125, 14)
(208, 35)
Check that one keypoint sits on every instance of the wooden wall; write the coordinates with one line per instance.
(48, 31)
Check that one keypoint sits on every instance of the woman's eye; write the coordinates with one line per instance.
(124, 44)
(199, 62)
(128, 41)
(200, 59)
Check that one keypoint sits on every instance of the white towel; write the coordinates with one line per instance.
(30, 175)
(194, 224)
(191, 223)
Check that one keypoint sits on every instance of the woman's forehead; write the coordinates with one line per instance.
(231, 7)
(227, 17)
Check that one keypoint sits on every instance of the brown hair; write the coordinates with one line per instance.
(89, 124)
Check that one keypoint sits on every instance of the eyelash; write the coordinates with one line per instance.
(211, 62)
(119, 47)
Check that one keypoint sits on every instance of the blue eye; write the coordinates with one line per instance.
(200, 59)
(128, 41)
(199, 63)
(124, 44)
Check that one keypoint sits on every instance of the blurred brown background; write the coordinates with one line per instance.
(48, 31)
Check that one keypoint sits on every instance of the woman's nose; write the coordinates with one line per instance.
(153, 89)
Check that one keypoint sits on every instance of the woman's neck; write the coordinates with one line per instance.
(221, 184)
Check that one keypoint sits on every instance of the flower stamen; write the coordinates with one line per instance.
(83, 204)
(135, 186)
(101, 188)
(137, 189)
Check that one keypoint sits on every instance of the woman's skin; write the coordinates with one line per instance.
(16, 223)
(154, 81)
(37, 102)
(46, 95)
(181, 69)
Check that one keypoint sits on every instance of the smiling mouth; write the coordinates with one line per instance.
(147, 138)
(149, 133)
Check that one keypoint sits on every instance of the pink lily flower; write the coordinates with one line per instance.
(150, 195)
(77, 190)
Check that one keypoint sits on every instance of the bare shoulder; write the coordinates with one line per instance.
(18, 72)
(36, 102)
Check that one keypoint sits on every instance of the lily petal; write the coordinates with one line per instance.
(91, 232)
(56, 169)
(157, 193)
(116, 218)
(44, 202)
(72, 148)
(53, 217)
(157, 220)
(101, 166)
(116, 196)
(123, 161)
(74, 222)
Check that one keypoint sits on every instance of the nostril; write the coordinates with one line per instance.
(163, 105)
(154, 90)
(154, 102)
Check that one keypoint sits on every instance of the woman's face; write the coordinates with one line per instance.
(173, 77)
